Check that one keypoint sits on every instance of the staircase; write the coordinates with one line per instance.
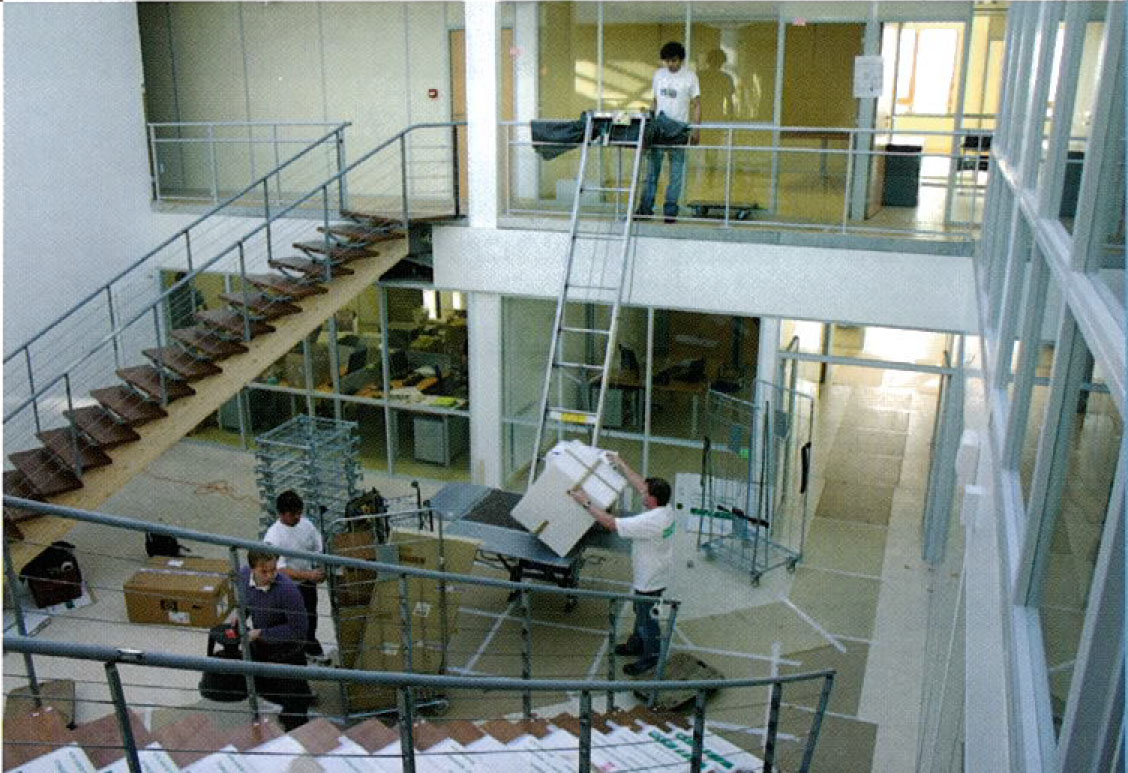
(126, 425)
(636, 739)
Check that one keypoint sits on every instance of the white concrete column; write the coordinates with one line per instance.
(526, 78)
(482, 111)
(767, 354)
(484, 320)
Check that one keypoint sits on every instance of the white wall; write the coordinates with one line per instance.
(932, 292)
(76, 176)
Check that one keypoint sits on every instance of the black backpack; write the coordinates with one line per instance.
(223, 642)
(53, 576)
(163, 545)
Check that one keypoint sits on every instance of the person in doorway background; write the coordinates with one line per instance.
(677, 94)
(651, 533)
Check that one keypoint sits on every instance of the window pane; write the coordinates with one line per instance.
(1081, 123)
(935, 65)
(1051, 321)
(1093, 455)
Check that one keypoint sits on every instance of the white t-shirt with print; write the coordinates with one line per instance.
(673, 91)
(301, 536)
(652, 546)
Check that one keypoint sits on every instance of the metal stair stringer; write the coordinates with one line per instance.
(159, 435)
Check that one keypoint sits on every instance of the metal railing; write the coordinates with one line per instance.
(404, 683)
(208, 160)
(86, 346)
(867, 182)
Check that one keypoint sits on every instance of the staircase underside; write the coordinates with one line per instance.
(157, 436)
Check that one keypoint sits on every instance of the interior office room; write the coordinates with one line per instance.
(888, 317)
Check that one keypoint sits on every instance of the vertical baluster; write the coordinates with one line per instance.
(161, 376)
(405, 620)
(585, 732)
(773, 726)
(457, 171)
(342, 162)
(156, 162)
(526, 651)
(129, 744)
(188, 249)
(405, 701)
(113, 327)
(664, 653)
(816, 725)
(21, 629)
(728, 175)
(403, 179)
(698, 731)
(612, 625)
(850, 143)
(77, 467)
(241, 600)
(266, 211)
(214, 168)
(31, 389)
(244, 288)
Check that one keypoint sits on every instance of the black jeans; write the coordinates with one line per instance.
(309, 597)
(646, 629)
(293, 695)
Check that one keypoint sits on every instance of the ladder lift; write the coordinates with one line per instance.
(595, 273)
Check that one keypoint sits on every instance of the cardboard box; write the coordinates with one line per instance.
(354, 586)
(420, 550)
(194, 592)
(549, 513)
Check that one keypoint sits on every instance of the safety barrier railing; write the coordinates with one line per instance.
(413, 172)
(406, 685)
(212, 160)
(925, 185)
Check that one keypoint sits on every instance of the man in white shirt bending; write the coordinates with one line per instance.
(677, 93)
(296, 533)
(651, 533)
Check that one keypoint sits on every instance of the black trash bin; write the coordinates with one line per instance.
(902, 176)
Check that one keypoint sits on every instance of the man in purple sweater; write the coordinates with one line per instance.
(277, 634)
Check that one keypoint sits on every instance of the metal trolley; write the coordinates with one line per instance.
(753, 511)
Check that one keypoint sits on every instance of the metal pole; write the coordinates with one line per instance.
(266, 211)
(526, 652)
(405, 619)
(342, 184)
(816, 725)
(161, 375)
(585, 732)
(406, 705)
(698, 732)
(849, 177)
(612, 625)
(188, 248)
(113, 327)
(21, 627)
(403, 180)
(31, 390)
(129, 745)
(454, 153)
(241, 600)
(245, 293)
(773, 726)
(214, 169)
(73, 427)
(728, 175)
(664, 653)
(156, 162)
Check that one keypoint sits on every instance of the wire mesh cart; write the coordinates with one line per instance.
(753, 512)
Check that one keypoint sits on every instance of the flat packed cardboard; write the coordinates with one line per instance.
(193, 592)
(354, 586)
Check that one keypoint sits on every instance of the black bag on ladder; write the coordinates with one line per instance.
(223, 642)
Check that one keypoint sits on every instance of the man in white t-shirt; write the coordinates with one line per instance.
(296, 533)
(677, 93)
(651, 533)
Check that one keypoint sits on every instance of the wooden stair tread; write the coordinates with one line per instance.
(180, 362)
(62, 443)
(336, 252)
(190, 739)
(364, 234)
(231, 321)
(100, 426)
(17, 484)
(503, 730)
(127, 404)
(284, 286)
(45, 472)
(208, 341)
(372, 734)
(101, 739)
(371, 219)
(312, 269)
(261, 304)
(148, 380)
(427, 734)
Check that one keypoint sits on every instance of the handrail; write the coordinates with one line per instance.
(178, 235)
(245, 123)
(132, 524)
(199, 269)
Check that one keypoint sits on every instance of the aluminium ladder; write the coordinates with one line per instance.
(580, 355)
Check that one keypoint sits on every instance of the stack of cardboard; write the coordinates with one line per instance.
(193, 592)
(371, 633)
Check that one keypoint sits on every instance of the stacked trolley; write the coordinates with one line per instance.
(753, 506)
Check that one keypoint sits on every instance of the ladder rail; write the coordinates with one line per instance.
(556, 363)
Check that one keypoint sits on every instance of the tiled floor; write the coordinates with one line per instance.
(856, 603)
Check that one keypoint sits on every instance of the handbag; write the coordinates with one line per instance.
(223, 642)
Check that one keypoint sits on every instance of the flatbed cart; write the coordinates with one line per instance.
(748, 514)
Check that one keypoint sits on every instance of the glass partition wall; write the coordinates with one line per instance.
(394, 360)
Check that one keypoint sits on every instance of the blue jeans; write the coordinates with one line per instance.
(646, 629)
(673, 187)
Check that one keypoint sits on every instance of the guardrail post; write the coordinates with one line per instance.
(113, 327)
(664, 653)
(342, 185)
(277, 159)
(156, 163)
(403, 180)
(325, 223)
(585, 732)
(243, 285)
(612, 625)
(241, 601)
(848, 183)
(455, 166)
(21, 628)
(31, 389)
(214, 167)
(526, 651)
(73, 426)
(728, 176)
(266, 211)
(129, 744)
(698, 748)
(773, 726)
(405, 619)
(816, 725)
(188, 248)
(161, 375)
(406, 704)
